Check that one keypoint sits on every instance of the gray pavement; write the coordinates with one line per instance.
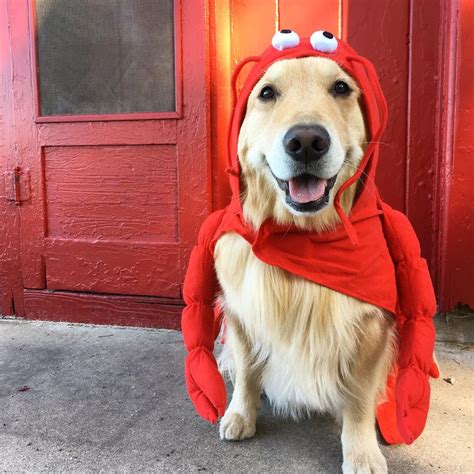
(97, 398)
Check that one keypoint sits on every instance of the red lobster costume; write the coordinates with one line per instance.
(374, 256)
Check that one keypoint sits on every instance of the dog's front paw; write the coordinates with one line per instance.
(234, 426)
(366, 461)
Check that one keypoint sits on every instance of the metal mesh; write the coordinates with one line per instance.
(105, 56)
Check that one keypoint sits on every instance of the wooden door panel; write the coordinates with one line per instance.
(150, 132)
(127, 193)
(102, 309)
(113, 267)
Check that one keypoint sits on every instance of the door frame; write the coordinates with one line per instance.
(11, 288)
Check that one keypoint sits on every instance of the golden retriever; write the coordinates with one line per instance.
(309, 348)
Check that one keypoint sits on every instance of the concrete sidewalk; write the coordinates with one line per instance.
(86, 398)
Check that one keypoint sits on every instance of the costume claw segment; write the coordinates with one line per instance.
(413, 397)
(205, 384)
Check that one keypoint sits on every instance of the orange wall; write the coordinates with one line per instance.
(255, 22)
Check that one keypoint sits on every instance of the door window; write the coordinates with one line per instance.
(105, 56)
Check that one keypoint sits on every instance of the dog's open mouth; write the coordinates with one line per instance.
(306, 192)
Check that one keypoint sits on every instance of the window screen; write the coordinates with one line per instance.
(105, 56)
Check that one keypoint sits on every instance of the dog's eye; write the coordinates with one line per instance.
(323, 41)
(267, 93)
(341, 88)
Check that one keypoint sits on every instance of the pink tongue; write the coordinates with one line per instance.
(306, 189)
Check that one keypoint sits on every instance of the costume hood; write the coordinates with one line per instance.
(373, 255)
(321, 44)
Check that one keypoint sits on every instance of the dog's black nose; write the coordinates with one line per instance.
(306, 142)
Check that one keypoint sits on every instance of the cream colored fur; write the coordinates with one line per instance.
(309, 348)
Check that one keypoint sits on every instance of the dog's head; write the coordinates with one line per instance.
(303, 135)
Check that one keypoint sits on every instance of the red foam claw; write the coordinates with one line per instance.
(434, 370)
(201, 403)
(413, 400)
(205, 384)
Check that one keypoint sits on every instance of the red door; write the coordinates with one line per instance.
(111, 157)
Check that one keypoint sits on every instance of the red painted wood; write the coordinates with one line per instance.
(422, 163)
(103, 309)
(127, 193)
(132, 268)
(11, 290)
(115, 205)
(220, 96)
(107, 117)
(27, 153)
(194, 145)
(447, 114)
(457, 249)
(306, 17)
(380, 33)
(108, 133)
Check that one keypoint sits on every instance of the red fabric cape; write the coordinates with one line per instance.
(373, 256)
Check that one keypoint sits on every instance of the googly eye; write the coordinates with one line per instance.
(323, 41)
(285, 39)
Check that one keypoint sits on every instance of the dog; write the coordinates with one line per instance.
(307, 347)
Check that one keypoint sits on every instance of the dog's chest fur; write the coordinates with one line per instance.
(306, 337)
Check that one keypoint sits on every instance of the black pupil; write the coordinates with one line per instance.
(267, 93)
(328, 35)
(341, 87)
(285, 31)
